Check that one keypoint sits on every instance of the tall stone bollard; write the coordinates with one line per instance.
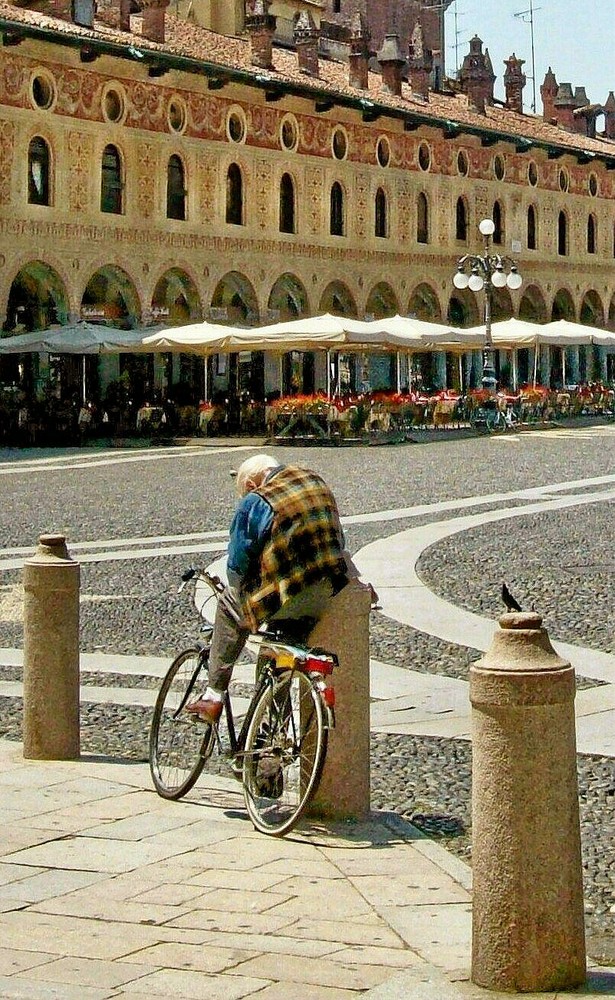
(528, 928)
(344, 630)
(51, 652)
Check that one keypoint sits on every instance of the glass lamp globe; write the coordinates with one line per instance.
(498, 278)
(461, 280)
(487, 227)
(475, 283)
(514, 279)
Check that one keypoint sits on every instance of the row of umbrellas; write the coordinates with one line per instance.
(326, 332)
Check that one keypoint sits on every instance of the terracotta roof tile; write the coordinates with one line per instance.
(185, 39)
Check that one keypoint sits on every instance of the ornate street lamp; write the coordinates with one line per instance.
(489, 271)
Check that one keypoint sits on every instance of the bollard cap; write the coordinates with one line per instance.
(521, 644)
(521, 619)
(51, 549)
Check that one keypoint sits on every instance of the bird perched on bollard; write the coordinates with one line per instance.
(509, 600)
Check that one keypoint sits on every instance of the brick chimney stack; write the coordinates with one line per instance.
(154, 12)
(391, 63)
(260, 26)
(306, 41)
(358, 75)
(514, 82)
(548, 92)
(609, 116)
(564, 106)
(476, 76)
(420, 63)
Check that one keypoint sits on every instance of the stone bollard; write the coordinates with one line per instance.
(51, 652)
(344, 630)
(528, 924)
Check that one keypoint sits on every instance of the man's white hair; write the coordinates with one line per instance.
(253, 466)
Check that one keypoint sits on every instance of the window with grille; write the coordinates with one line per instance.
(422, 218)
(591, 234)
(176, 189)
(234, 195)
(39, 188)
(498, 232)
(562, 234)
(531, 228)
(287, 204)
(381, 220)
(111, 181)
(337, 210)
(461, 220)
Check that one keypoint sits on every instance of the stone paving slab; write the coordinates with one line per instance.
(122, 894)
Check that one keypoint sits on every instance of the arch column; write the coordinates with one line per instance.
(440, 369)
(476, 369)
(545, 365)
(601, 364)
(572, 365)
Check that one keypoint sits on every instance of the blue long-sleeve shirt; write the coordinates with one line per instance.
(250, 529)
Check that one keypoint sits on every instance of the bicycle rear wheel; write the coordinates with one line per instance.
(285, 753)
(178, 744)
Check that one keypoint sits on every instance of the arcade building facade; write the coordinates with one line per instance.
(154, 171)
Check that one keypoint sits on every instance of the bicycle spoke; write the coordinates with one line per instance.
(284, 754)
(179, 745)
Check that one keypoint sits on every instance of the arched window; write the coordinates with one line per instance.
(422, 218)
(591, 233)
(531, 228)
(287, 204)
(498, 232)
(461, 220)
(381, 225)
(176, 191)
(234, 196)
(39, 187)
(562, 234)
(111, 187)
(336, 227)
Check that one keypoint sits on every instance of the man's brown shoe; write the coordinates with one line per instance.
(206, 709)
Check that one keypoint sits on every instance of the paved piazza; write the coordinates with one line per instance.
(436, 526)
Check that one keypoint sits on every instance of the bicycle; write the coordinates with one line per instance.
(280, 749)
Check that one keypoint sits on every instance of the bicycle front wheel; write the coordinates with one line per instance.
(178, 744)
(284, 753)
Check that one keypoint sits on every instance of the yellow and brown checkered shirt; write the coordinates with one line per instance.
(305, 546)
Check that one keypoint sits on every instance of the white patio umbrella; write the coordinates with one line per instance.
(563, 333)
(73, 338)
(604, 338)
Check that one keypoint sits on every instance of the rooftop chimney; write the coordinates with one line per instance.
(153, 19)
(609, 116)
(514, 82)
(391, 63)
(564, 106)
(260, 26)
(420, 63)
(358, 76)
(306, 41)
(476, 76)
(548, 92)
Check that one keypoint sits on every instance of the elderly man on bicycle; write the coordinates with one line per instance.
(286, 560)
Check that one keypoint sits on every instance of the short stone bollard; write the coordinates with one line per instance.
(344, 630)
(51, 652)
(527, 924)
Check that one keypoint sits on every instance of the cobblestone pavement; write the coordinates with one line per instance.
(560, 563)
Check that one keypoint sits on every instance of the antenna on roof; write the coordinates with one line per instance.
(527, 16)
(458, 34)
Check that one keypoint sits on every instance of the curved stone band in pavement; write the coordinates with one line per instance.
(390, 564)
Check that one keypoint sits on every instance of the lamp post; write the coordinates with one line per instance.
(489, 270)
